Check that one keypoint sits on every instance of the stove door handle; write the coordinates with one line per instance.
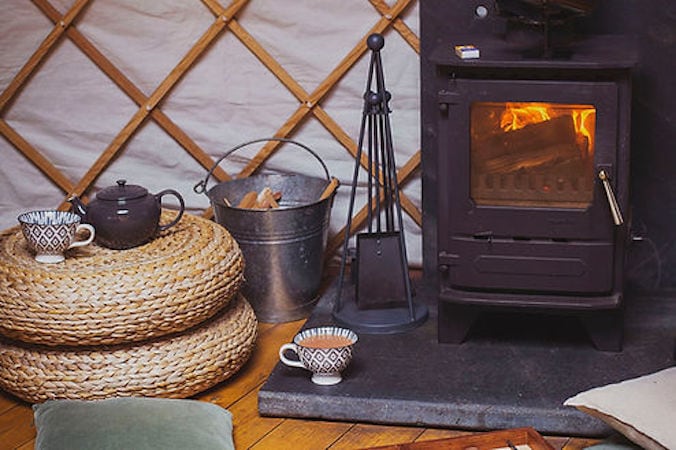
(612, 200)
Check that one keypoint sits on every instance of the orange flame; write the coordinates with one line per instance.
(585, 125)
(518, 115)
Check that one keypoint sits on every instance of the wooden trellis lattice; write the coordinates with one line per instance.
(225, 19)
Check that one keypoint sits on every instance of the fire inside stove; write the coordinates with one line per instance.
(532, 154)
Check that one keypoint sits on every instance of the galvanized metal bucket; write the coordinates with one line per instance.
(283, 247)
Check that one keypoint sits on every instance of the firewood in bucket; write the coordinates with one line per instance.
(249, 200)
(265, 199)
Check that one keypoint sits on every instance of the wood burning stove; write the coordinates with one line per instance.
(525, 180)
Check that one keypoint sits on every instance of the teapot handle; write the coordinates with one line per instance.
(159, 195)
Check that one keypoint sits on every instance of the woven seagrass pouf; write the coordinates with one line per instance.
(175, 366)
(99, 296)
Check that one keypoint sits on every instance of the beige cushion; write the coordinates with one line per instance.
(643, 409)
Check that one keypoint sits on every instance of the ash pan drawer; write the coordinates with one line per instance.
(541, 266)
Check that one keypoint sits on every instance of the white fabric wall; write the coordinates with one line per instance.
(70, 111)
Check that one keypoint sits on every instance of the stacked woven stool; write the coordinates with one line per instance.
(165, 319)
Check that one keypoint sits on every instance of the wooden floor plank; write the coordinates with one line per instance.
(367, 435)
(17, 438)
(264, 326)
(303, 435)
(30, 445)
(7, 401)
(440, 433)
(16, 426)
(259, 366)
(248, 426)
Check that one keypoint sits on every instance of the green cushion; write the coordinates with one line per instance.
(132, 423)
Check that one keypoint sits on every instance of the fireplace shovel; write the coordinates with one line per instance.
(380, 276)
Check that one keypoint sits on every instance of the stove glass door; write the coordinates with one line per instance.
(532, 154)
(521, 158)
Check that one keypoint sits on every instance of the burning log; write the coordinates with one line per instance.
(534, 145)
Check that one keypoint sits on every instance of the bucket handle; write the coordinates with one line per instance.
(201, 187)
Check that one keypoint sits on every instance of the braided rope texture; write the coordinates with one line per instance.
(174, 366)
(99, 296)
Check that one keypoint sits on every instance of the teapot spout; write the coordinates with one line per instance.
(77, 206)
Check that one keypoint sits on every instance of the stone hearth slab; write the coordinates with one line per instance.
(513, 371)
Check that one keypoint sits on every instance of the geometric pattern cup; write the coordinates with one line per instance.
(50, 233)
(325, 361)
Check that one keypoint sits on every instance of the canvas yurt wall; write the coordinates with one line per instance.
(93, 91)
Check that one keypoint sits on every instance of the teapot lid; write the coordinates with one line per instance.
(122, 191)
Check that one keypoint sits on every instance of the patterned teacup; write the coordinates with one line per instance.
(50, 233)
(325, 351)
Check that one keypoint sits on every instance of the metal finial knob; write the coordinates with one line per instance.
(375, 41)
(373, 98)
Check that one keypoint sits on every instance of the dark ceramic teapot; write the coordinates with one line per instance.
(125, 215)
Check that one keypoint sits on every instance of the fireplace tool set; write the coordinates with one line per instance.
(377, 298)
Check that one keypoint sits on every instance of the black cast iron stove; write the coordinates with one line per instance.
(526, 173)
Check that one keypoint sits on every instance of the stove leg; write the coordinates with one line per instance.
(605, 329)
(454, 322)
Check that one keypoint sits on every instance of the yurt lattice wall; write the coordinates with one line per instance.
(155, 91)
